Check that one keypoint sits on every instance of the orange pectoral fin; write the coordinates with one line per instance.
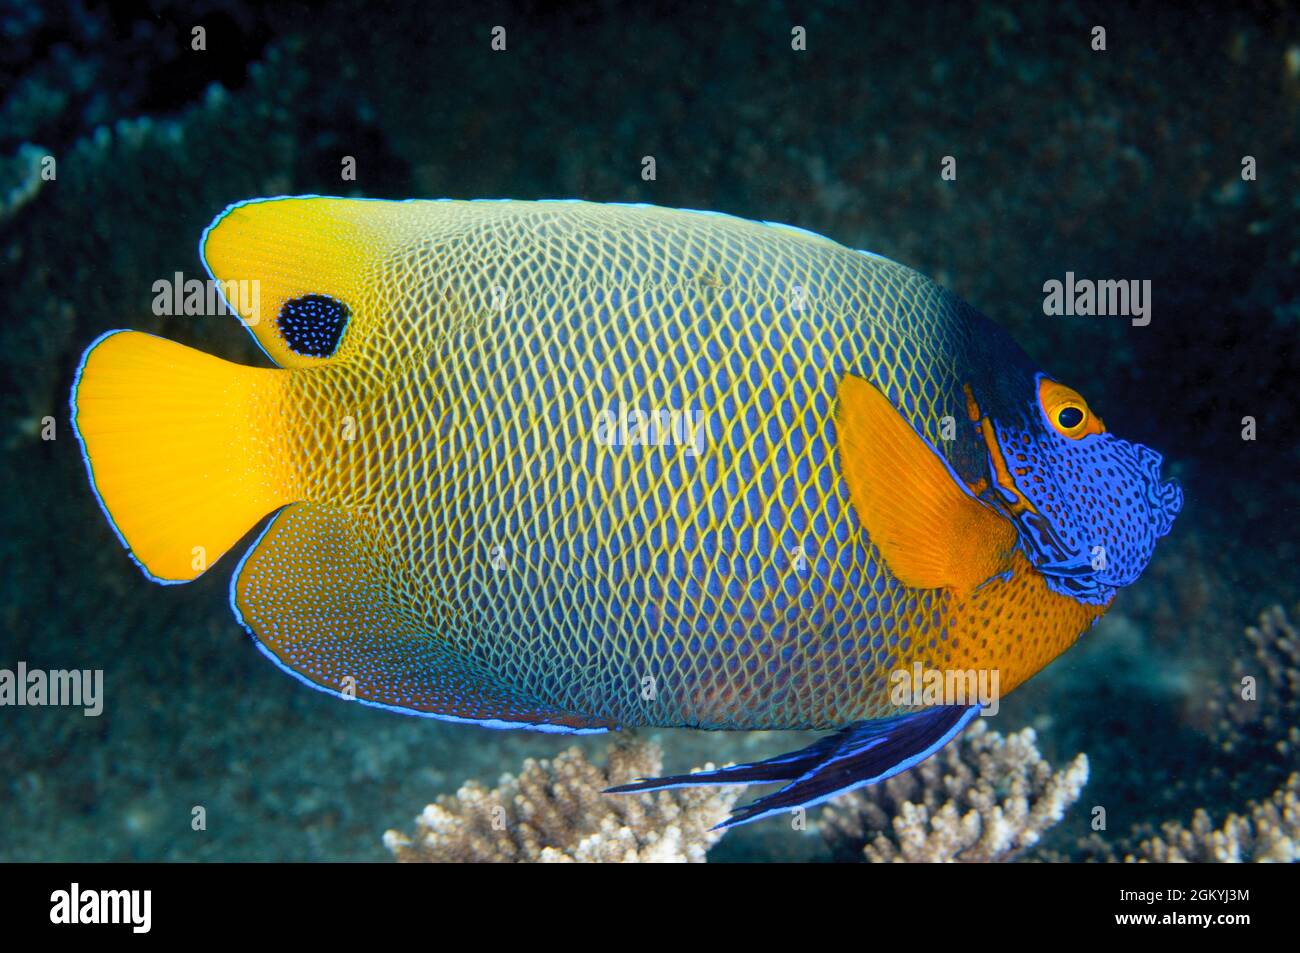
(932, 533)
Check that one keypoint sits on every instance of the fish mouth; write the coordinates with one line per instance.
(1100, 532)
(1074, 572)
(1086, 568)
(1164, 497)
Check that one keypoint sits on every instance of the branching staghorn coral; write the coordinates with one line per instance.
(1272, 721)
(1268, 833)
(554, 812)
(986, 797)
(1258, 733)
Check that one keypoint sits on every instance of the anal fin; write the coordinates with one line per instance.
(311, 593)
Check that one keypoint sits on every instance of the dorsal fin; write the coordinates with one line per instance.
(932, 533)
(315, 263)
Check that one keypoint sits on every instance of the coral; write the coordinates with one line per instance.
(1268, 833)
(554, 812)
(1257, 737)
(1261, 733)
(1254, 727)
(987, 797)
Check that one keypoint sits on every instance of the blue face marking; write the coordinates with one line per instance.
(1088, 506)
(1098, 506)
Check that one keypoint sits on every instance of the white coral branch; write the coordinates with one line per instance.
(554, 812)
(986, 797)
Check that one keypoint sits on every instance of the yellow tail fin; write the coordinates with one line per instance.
(181, 448)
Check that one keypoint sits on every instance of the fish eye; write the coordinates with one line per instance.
(1069, 417)
(1067, 411)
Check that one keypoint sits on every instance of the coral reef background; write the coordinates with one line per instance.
(1121, 164)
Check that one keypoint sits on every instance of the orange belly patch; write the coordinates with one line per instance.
(1015, 625)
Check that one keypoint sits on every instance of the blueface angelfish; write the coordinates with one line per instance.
(484, 510)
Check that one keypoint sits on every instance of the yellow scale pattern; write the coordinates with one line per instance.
(466, 546)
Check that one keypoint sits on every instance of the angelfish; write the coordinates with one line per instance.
(884, 478)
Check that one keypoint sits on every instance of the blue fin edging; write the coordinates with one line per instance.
(90, 466)
(854, 757)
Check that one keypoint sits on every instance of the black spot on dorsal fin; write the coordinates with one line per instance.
(312, 325)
